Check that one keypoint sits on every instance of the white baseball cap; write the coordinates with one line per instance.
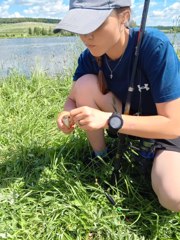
(85, 16)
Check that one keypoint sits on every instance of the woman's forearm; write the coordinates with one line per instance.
(158, 127)
(69, 104)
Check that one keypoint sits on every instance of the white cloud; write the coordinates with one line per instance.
(16, 15)
(152, 4)
(32, 11)
(29, 2)
(161, 12)
(34, 8)
(54, 9)
(168, 15)
(4, 7)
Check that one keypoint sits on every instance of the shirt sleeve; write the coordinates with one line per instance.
(162, 68)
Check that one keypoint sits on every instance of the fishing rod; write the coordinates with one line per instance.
(121, 142)
(136, 56)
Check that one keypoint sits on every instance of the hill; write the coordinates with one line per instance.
(27, 27)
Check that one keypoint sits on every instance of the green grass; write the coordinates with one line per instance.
(22, 29)
(47, 192)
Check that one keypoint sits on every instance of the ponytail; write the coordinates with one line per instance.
(101, 79)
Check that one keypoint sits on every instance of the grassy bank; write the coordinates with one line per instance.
(47, 192)
(25, 29)
(29, 29)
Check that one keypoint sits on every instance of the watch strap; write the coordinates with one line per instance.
(111, 131)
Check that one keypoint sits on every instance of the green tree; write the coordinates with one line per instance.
(30, 31)
(37, 31)
(50, 31)
(44, 31)
(132, 23)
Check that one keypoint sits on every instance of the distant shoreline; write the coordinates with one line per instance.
(42, 27)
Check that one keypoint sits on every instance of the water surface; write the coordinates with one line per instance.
(52, 55)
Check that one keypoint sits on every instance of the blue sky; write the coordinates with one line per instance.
(161, 12)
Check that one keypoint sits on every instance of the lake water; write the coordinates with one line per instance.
(52, 55)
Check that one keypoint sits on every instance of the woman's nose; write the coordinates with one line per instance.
(88, 36)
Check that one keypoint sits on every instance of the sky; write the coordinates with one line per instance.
(161, 12)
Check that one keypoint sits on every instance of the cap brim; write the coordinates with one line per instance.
(82, 21)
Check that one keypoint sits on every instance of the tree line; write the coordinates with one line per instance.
(37, 31)
(40, 31)
(20, 20)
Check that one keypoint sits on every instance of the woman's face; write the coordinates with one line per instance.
(107, 38)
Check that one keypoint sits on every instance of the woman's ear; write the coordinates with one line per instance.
(126, 16)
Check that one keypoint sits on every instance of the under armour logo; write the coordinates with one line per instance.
(146, 87)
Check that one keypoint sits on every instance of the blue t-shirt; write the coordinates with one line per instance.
(157, 78)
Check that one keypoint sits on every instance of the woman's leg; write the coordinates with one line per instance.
(165, 179)
(87, 93)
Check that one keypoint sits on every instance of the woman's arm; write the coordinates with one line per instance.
(70, 101)
(67, 126)
(165, 125)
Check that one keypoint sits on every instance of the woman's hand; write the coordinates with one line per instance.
(65, 122)
(88, 118)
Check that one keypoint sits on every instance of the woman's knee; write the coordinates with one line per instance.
(87, 92)
(165, 179)
(87, 84)
(167, 192)
(169, 199)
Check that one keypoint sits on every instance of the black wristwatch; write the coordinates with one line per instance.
(115, 122)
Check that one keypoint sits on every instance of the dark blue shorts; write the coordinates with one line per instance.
(147, 148)
(170, 144)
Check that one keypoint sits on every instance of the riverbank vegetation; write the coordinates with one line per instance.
(28, 27)
(46, 189)
(33, 27)
(22, 20)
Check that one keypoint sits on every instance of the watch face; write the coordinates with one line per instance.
(115, 122)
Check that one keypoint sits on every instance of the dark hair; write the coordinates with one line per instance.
(101, 78)
(122, 9)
